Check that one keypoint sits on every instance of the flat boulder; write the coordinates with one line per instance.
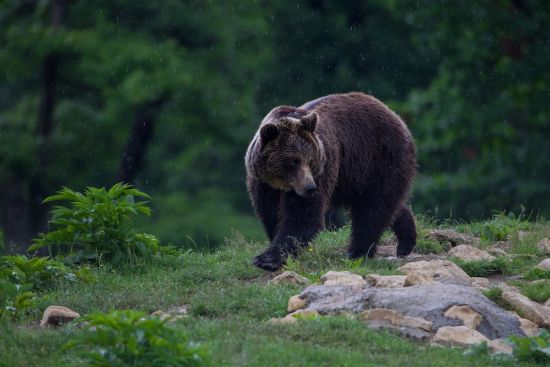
(428, 302)
(289, 277)
(443, 271)
(470, 253)
(343, 278)
(451, 237)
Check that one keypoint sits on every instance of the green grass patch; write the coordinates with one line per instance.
(537, 274)
(538, 291)
(501, 227)
(483, 268)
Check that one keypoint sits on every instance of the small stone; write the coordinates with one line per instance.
(458, 335)
(295, 303)
(342, 278)
(161, 314)
(452, 237)
(470, 253)
(417, 279)
(544, 246)
(385, 281)
(497, 252)
(58, 315)
(531, 310)
(289, 277)
(442, 271)
(469, 317)
(481, 283)
(544, 264)
(500, 346)
(529, 327)
(293, 317)
(396, 319)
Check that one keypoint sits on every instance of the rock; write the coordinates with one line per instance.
(544, 264)
(396, 319)
(428, 301)
(531, 310)
(386, 250)
(293, 317)
(458, 335)
(289, 277)
(439, 270)
(502, 245)
(481, 283)
(497, 252)
(342, 278)
(500, 346)
(452, 237)
(470, 253)
(295, 303)
(469, 317)
(417, 279)
(174, 313)
(544, 246)
(547, 303)
(385, 281)
(529, 327)
(57, 315)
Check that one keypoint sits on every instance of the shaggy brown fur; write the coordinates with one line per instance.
(345, 150)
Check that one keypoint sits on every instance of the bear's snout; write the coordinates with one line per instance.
(310, 189)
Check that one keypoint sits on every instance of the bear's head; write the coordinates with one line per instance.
(291, 153)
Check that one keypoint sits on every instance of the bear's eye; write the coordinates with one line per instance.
(295, 162)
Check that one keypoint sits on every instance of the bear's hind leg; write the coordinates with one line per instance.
(367, 225)
(405, 230)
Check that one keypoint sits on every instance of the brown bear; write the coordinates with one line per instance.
(341, 150)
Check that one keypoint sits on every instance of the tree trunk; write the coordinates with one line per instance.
(49, 76)
(141, 135)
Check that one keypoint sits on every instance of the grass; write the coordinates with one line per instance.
(483, 268)
(230, 303)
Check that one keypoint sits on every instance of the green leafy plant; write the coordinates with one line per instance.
(128, 338)
(96, 226)
(34, 274)
(16, 302)
(483, 268)
(532, 348)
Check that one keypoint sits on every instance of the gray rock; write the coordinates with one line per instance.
(426, 301)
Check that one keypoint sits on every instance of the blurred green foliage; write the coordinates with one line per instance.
(470, 79)
(130, 338)
(95, 227)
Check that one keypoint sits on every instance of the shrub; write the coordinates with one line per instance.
(15, 302)
(96, 226)
(33, 274)
(128, 338)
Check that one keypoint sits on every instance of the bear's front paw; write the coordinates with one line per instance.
(269, 260)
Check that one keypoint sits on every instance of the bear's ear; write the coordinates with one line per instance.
(309, 122)
(268, 132)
